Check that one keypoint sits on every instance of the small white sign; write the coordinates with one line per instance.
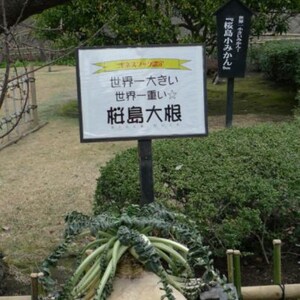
(141, 92)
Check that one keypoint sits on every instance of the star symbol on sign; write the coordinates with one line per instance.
(172, 95)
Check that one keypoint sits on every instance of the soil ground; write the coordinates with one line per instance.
(49, 173)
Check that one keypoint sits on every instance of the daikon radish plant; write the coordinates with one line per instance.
(162, 242)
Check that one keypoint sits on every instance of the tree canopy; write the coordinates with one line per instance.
(117, 22)
(13, 12)
(153, 21)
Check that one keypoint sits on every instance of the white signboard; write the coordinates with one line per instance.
(141, 92)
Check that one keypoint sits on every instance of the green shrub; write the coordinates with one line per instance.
(66, 60)
(280, 60)
(241, 186)
(69, 109)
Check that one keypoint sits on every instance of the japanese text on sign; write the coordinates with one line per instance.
(136, 114)
(229, 39)
(228, 43)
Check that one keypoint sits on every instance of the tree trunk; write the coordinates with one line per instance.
(13, 12)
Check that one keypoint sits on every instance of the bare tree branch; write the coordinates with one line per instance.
(19, 10)
(3, 85)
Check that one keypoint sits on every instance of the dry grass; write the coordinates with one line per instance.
(49, 173)
(46, 175)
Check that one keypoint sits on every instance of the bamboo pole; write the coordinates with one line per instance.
(277, 261)
(16, 298)
(229, 254)
(40, 288)
(237, 272)
(271, 292)
(34, 286)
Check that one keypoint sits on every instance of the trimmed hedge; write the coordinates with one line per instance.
(241, 186)
(280, 60)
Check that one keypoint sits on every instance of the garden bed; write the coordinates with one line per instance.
(53, 168)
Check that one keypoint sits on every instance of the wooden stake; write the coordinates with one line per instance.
(33, 97)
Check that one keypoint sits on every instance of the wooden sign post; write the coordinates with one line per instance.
(233, 28)
(146, 171)
(141, 93)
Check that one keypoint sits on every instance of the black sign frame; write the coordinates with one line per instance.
(146, 137)
(233, 29)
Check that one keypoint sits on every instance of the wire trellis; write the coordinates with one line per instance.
(18, 114)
